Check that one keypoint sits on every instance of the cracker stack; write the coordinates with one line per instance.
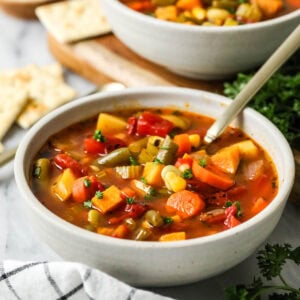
(29, 93)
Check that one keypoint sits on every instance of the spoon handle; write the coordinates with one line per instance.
(287, 48)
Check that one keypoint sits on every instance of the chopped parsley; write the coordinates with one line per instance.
(98, 136)
(168, 220)
(187, 174)
(202, 162)
(279, 98)
(86, 182)
(143, 180)
(133, 161)
(158, 161)
(129, 200)
(151, 193)
(99, 194)
(271, 261)
(88, 204)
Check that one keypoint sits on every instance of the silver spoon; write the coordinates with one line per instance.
(287, 48)
(9, 154)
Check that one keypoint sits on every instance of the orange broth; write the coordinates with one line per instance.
(252, 185)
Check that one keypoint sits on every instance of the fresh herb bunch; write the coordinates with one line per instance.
(271, 261)
(278, 100)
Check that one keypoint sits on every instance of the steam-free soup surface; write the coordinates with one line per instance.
(146, 175)
(213, 12)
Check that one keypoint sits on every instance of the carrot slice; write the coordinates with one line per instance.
(205, 175)
(294, 3)
(270, 7)
(185, 203)
(183, 142)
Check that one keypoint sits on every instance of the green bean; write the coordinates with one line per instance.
(41, 169)
(167, 152)
(154, 218)
(116, 157)
(142, 234)
(136, 147)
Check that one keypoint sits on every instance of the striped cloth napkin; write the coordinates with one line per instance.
(63, 281)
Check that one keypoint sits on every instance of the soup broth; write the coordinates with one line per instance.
(147, 175)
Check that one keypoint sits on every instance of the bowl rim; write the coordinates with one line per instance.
(38, 207)
(204, 29)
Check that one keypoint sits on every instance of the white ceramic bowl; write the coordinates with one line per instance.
(198, 51)
(154, 263)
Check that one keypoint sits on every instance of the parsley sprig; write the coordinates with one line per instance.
(278, 100)
(271, 261)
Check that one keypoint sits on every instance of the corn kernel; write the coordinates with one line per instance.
(195, 140)
(176, 219)
(199, 13)
(175, 182)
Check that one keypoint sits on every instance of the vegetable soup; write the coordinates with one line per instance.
(213, 12)
(147, 175)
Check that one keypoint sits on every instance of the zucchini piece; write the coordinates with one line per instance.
(167, 152)
(116, 157)
(41, 169)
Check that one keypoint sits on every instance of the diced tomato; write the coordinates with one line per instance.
(152, 124)
(131, 125)
(231, 221)
(84, 188)
(130, 211)
(64, 161)
(184, 161)
(94, 147)
(134, 210)
(231, 210)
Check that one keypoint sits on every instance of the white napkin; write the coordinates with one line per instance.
(63, 281)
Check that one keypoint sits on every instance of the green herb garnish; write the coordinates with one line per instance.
(202, 162)
(98, 136)
(88, 204)
(86, 182)
(143, 180)
(151, 193)
(278, 100)
(99, 194)
(133, 161)
(168, 220)
(187, 174)
(130, 200)
(158, 161)
(238, 206)
(271, 261)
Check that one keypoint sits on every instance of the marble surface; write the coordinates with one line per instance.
(24, 42)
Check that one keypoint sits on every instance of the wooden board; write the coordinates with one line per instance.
(106, 59)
